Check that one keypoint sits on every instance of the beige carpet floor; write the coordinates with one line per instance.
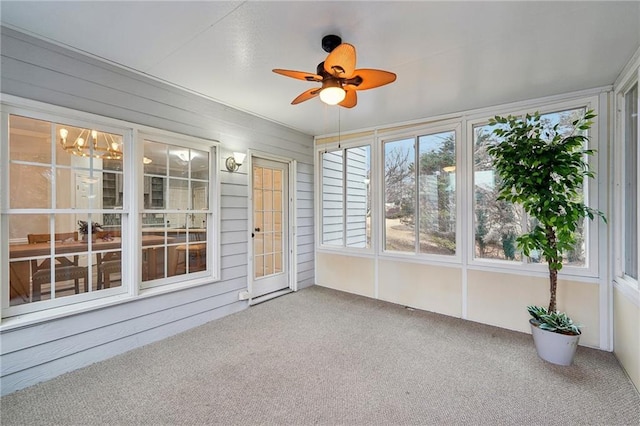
(324, 357)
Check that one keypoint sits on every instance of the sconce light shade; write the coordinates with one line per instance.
(234, 162)
(238, 157)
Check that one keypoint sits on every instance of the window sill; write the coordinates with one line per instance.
(425, 258)
(176, 286)
(629, 289)
(533, 269)
(346, 251)
(34, 318)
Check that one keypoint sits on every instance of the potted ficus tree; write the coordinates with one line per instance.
(543, 169)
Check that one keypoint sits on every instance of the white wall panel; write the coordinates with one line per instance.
(626, 336)
(501, 299)
(305, 223)
(432, 288)
(351, 274)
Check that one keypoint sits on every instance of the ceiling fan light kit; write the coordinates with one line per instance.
(340, 80)
(332, 92)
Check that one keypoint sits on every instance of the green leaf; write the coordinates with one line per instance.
(544, 172)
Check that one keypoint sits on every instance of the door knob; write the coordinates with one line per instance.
(257, 229)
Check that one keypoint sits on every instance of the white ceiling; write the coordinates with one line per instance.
(449, 56)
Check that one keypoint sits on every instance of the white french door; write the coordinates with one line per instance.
(270, 233)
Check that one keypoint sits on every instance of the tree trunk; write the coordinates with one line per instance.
(553, 282)
(553, 272)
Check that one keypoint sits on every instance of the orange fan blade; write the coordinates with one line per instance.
(341, 61)
(300, 75)
(364, 79)
(350, 100)
(305, 96)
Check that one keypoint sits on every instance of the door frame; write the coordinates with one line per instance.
(291, 231)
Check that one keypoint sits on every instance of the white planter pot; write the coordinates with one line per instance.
(553, 347)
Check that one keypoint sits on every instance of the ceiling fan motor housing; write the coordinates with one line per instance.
(321, 71)
(330, 42)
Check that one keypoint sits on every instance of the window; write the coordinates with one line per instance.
(498, 223)
(420, 201)
(631, 183)
(69, 203)
(420, 172)
(399, 195)
(176, 213)
(65, 212)
(346, 197)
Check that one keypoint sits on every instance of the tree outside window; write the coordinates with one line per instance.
(420, 202)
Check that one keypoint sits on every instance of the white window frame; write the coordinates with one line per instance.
(212, 273)
(331, 147)
(592, 228)
(455, 126)
(627, 284)
(598, 196)
(132, 207)
(56, 115)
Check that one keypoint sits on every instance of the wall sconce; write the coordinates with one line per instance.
(234, 162)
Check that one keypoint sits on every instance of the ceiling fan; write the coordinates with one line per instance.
(340, 80)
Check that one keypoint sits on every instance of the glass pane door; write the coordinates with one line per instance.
(269, 226)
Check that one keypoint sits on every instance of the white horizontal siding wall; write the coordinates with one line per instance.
(332, 198)
(356, 213)
(38, 70)
(305, 226)
(335, 181)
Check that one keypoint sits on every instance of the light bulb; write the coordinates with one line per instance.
(80, 142)
(94, 134)
(332, 95)
(64, 133)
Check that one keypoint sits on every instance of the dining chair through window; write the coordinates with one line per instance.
(194, 255)
(64, 269)
(108, 263)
